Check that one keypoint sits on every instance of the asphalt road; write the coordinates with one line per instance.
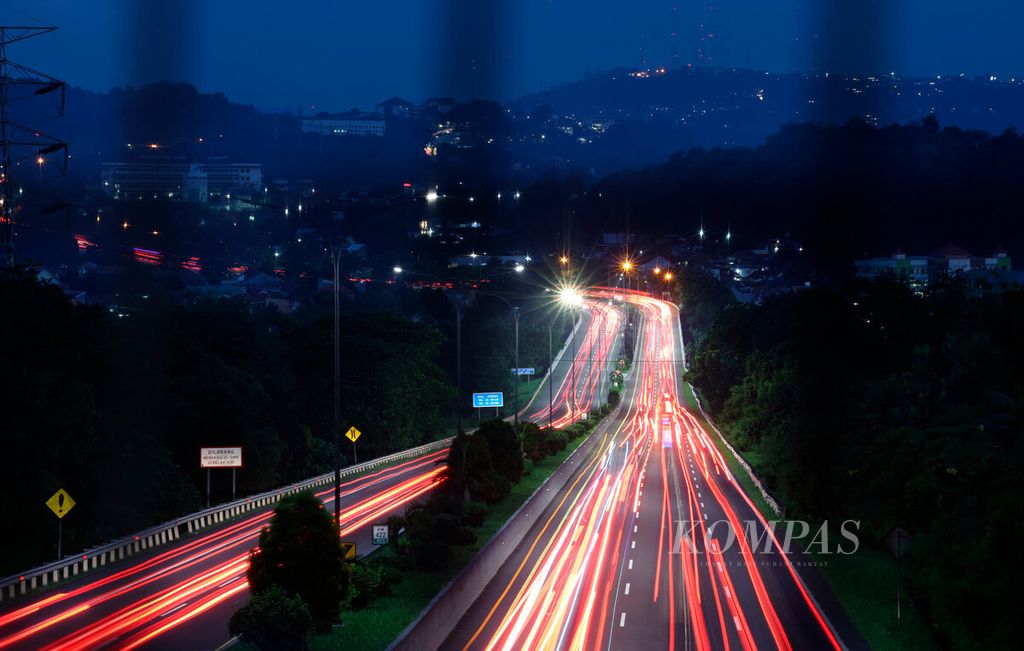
(652, 543)
(181, 596)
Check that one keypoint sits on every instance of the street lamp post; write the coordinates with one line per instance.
(515, 416)
(336, 263)
(551, 374)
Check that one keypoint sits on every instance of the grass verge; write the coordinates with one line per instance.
(376, 626)
(865, 582)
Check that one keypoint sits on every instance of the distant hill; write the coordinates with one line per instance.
(719, 107)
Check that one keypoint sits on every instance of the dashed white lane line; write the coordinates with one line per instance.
(735, 620)
(633, 546)
(631, 563)
(622, 621)
(634, 528)
(627, 588)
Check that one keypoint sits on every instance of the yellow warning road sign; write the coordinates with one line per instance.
(60, 503)
(350, 550)
(352, 434)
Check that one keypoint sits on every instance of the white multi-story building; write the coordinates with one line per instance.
(358, 124)
(179, 179)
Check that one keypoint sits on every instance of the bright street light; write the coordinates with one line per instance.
(397, 270)
(520, 268)
(432, 196)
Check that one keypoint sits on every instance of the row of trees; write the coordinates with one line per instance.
(888, 407)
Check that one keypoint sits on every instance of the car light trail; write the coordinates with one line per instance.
(696, 589)
(182, 583)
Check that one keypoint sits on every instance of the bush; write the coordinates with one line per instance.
(273, 621)
(462, 536)
(300, 553)
(556, 442)
(484, 482)
(474, 513)
(505, 447)
(534, 446)
(614, 398)
(371, 581)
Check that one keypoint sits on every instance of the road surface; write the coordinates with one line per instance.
(182, 596)
(635, 553)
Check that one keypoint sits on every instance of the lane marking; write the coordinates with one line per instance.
(622, 621)
(631, 563)
(627, 588)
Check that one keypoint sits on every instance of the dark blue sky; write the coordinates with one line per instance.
(338, 54)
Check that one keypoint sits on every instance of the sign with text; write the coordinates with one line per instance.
(220, 457)
(489, 399)
(524, 371)
(380, 534)
(60, 503)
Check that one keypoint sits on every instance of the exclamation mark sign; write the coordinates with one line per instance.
(60, 502)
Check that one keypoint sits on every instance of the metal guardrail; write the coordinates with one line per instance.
(72, 566)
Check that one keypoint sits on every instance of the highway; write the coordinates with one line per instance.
(636, 553)
(182, 595)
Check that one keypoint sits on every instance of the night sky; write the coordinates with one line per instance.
(337, 55)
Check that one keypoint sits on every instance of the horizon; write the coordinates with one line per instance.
(515, 50)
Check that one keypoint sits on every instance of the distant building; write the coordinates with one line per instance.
(439, 104)
(353, 123)
(919, 270)
(179, 179)
(396, 107)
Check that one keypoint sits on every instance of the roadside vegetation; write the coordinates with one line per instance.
(489, 475)
(894, 408)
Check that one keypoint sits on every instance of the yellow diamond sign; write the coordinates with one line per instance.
(349, 549)
(352, 434)
(60, 503)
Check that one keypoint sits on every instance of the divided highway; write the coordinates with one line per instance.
(635, 553)
(181, 596)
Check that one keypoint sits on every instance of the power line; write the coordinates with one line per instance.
(19, 141)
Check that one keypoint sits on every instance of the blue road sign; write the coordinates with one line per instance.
(489, 399)
(524, 371)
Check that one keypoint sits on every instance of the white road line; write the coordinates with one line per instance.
(634, 545)
(627, 588)
(631, 563)
(734, 619)
(622, 620)
(634, 528)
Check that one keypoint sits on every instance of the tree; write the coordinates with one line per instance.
(484, 482)
(273, 621)
(534, 445)
(505, 447)
(300, 552)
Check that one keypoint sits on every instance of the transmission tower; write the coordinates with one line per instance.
(18, 141)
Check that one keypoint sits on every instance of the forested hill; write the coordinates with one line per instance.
(724, 107)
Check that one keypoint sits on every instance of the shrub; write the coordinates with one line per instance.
(505, 447)
(273, 621)
(556, 442)
(300, 553)
(534, 445)
(474, 513)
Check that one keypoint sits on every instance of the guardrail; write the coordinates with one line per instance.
(72, 566)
